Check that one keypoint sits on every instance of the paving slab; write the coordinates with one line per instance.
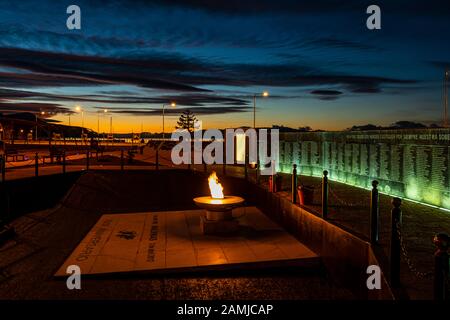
(172, 242)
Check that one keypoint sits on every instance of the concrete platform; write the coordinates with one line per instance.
(172, 242)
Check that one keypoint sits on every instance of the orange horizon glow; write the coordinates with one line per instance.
(153, 124)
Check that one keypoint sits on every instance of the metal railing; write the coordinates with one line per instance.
(397, 245)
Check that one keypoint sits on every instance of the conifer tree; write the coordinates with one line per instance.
(186, 121)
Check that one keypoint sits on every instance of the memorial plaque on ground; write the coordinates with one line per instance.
(172, 241)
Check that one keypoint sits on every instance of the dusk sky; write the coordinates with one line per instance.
(322, 66)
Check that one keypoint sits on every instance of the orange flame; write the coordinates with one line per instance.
(215, 187)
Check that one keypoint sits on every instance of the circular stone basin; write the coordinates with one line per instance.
(218, 209)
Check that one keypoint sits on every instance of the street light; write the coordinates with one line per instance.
(36, 116)
(265, 94)
(98, 119)
(173, 105)
(80, 109)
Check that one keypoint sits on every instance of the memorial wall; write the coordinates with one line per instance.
(412, 163)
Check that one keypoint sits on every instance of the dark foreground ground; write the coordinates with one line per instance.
(47, 237)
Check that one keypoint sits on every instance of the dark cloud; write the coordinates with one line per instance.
(173, 73)
(52, 69)
(326, 94)
(442, 65)
(34, 107)
(251, 6)
(30, 80)
(431, 7)
(177, 111)
(356, 84)
(177, 73)
(184, 99)
(339, 43)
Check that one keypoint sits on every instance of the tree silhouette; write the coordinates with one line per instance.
(186, 121)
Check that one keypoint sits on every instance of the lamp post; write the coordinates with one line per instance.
(265, 94)
(36, 132)
(98, 119)
(80, 109)
(172, 104)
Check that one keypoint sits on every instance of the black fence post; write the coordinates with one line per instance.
(157, 159)
(374, 213)
(87, 160)
(64, 161)
(441, 267)
(325, 195)
(121, 160)
(294, 184)
(396, 220)
(36, 165)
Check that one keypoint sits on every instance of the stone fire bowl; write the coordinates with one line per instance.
(218, 209)
(213, 204)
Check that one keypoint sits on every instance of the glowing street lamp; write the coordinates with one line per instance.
(36, 116)
(80, 109)
(255, 165)
(98, 119)
(265, 94)
(173, 105)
